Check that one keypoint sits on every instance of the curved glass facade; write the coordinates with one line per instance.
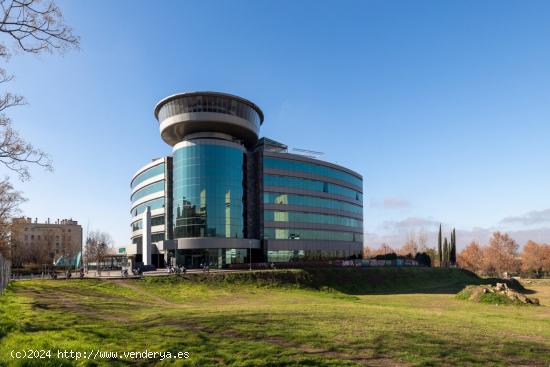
(311, 234)
(313, 185)
(155, 221)
(209, 103)
(344, 235)
(147, 190)
(304, 255)
(303, 217)
(305, 200)
(152, 204)
(151, 172)
(312, 168)
(208, 191)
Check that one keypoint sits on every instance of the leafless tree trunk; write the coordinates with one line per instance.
(9, 203)
(422, 240)
(97, 247)
(5, 273)
(410, 246)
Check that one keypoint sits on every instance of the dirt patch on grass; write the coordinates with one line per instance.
(72, 300)
(147, 295)
(363, 357)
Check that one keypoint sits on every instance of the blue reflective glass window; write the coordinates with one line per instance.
(293, 218)
(305, 200)
(208, 191)
(311, 234)
(155, 221)
(312, 168)
(137, 225)
(151, 172)
(148, 190)
(152, 204)
(313, 185)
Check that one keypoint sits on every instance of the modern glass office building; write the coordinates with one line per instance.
(225, 197)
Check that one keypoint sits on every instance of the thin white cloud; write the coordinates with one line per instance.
(409, 223)
(530, 218)
(395, 203)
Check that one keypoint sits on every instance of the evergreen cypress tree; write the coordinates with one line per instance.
(439, 254)
(453, 247)
(446, 253)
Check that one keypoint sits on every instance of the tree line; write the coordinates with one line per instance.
(501, 255)
(416, 247)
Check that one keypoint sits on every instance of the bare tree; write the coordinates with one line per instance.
(410, 246)
(97, 247)
(36, 27)
(367, 252)
(15, 152)
(422, 240)
(9, 207)
(384, 249)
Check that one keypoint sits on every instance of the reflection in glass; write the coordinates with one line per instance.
(151, 172)
(311, 234)
(152, 204)
(313, 185)
(317, 169)
(208, 191)
(313, 201)
(155, 221)
(304, 217)
(147, 190)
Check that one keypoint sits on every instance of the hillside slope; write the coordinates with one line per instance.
(345, 280)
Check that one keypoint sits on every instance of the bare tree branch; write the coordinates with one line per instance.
(9, 207)
(35, 26)
(97, 248)
(16, 153)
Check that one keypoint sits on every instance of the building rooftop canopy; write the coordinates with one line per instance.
(172, 97)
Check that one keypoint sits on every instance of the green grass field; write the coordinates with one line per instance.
(378, 317)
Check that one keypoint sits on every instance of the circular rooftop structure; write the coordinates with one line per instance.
(182, 114)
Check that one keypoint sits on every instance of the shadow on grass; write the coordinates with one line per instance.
(361, 281)
(351, 281)
(385, 339)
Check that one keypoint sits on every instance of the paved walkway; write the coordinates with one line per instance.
(115, 274)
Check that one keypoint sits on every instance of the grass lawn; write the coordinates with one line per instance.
(276, 318)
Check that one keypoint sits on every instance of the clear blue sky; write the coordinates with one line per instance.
(443, 106)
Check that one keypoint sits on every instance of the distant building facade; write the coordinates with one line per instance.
(225, 197)
(44, 243)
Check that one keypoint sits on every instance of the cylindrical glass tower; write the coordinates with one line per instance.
(210, 133)
(208, 196)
